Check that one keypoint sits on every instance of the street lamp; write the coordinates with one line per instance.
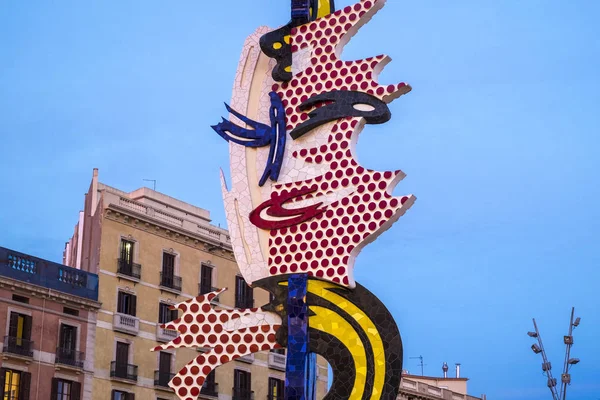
(565, 377)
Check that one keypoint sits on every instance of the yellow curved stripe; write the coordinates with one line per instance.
(328, 321)
(320, 288)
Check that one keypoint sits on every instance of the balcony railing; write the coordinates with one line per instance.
(47, 274)
(129, 269)
(165, 335)
(162, 379)
(277, 361)
(244, 303)
(204, 289)
(70, 357)
(210, 389)
(126, 323)
(123, 371)
(19, 346)
(170, 281)
(242, 394)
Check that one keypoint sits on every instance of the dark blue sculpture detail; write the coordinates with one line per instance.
(297, 340)
(261, 135)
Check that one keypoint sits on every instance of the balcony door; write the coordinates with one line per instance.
(206, 279)
(275, 389)
(67, 342)
(168, 266)
(127, 252)
(122, 359)
(242, 385)
(19, 332)
(164, 368)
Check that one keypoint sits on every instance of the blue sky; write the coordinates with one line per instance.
(499, 139)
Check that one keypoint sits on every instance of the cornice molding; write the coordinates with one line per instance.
(142, 222)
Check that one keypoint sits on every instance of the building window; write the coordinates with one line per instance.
(126, 266)
(18, 340)
(14, 385)
(120, 395)
(20, 299)
(120, 368)
(275, 389)
(127, 252)
(210, 387)
(244, 296)
(126, 303)
(71, 311)
(242, 389)
(65, 390)
(163, 376)
(165, 314)
(66, 352)
(206, 285)
(167, 276)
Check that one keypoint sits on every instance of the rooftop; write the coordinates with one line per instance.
(47, 274)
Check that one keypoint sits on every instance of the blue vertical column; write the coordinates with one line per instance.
(297, 346)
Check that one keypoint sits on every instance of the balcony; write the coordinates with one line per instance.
(162, 379)
(277, 361)
(210, 389)
(126, 323)
(70, 358)
(127, 372)
(204, 289)
(128, 270)
(171, 283)
(242, 394)
(18, 346)
(47, 274)
(244, 303)
(165, 335)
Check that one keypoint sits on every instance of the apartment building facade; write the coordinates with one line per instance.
(48, 313)
(151, 251)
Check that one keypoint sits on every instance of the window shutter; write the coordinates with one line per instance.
(25, 383)
(130, 396)
(120, 302)
(133, 305)
(54, 393)
(174, 315)
(75, 391)
(112, 395)
(3, 372)
(27, 322)
(12, 329)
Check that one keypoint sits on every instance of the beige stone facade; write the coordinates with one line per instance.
(150, 249)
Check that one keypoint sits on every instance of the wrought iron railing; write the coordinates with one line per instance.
(162, 379)
(244, 303)
(19, 346)
(70, 357)
(129, 269)
(170, 281)
(123, 371)
(242, 394)
(204, 289)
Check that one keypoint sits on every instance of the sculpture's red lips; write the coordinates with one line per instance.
(285, 217)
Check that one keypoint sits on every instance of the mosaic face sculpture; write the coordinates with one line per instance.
(300, 208)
